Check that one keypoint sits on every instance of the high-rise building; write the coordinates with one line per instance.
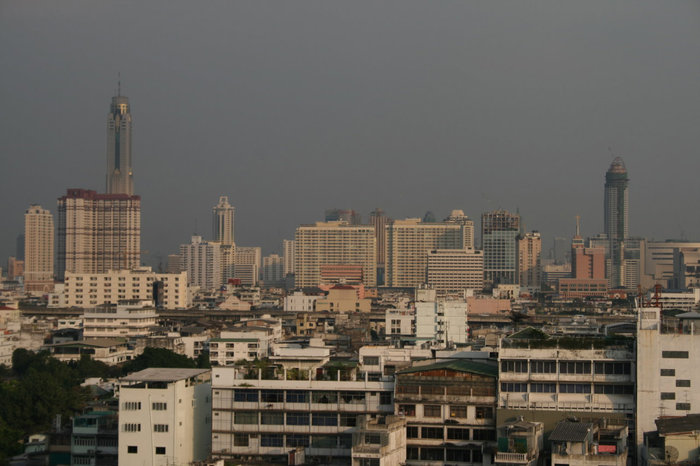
(15, 268)
(499, 230)
(379, 220)
(529, 251)
(273, 269)
(334, 244)
(19, 247)
(222, 221)
(120, 172)
(407, 246)
(202, 262)
(616, 218)
(343, 215)
(38, 249)
(458, 217)
(288, 254)
(452, 271)
(97, 232)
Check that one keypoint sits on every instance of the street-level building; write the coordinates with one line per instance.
(379, 441)
(164, 416)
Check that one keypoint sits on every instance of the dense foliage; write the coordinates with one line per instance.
(39, 387)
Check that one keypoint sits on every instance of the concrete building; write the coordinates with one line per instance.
(616, 218)
(94, 439)
(659, 260)
(676, 441)
(668, 353)
(173, 265)
(400, 323)
(519, 443)
(343, 215)
(15, 269)
(264, 417)
(88, 290)
(109, 351)
(499, 230)
(686, 268)
(547, 379)
(97, 232)
(528, 248)
(449, 408)
(343, 298)
(379, 220)
(288, 255)
(201, 260)
(379, 441)
(223, 221)
(678, 299)
(336, 244)
(578, 443)
(452, 271)
(165, 416)
(458, 217)
(38, 250)
(242, 343)
(444, 322)
(120, 172)
(124, 320)
(273, 269)
(407, 246)
(300, 301)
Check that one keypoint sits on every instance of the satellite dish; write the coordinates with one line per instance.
(671, 454)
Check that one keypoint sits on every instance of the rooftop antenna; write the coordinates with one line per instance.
(119, 83)
(578, 225)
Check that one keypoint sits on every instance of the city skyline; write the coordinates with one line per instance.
(484, 90)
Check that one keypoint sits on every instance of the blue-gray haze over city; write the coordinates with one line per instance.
(290, 108)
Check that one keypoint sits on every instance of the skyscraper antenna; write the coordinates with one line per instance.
(578, 225)
(119, 83)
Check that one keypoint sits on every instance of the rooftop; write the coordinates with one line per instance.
(163, 374)
(567, 431)
(459, 365)
(677, 425)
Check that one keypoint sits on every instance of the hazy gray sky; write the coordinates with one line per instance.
(292, 107)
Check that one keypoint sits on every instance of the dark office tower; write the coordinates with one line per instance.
(499, 230)
(343, 215)
(617, 219)
(120, 173)
(19, 247)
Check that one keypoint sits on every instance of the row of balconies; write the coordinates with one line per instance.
(374, 406)
(554, 377)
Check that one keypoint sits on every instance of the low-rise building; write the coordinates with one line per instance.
(106, 350)
(676, 441)
(128, 319)
(519, 443)
(343, 298)
(94, 439)
(579, 443)
(379, 441)
(164, 416)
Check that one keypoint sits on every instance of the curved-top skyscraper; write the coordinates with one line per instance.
(617, 218)
(120, 173)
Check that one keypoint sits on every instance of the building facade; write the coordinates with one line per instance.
(334, 243)
(499, 230)
(452, 271)
(201, 261)
(223, 221)
(616, 219)
(120, 172)
(529, 252)
(38, 250)
(97, 232)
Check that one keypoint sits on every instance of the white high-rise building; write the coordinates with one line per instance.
(38, 250)
(273, 269)
(223, 221)
(120, 173)
(288, 254)
(442, 321)
(202, 262)
(164, 417)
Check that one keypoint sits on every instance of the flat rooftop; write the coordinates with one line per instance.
(163, 374)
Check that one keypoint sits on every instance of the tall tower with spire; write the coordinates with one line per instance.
(617, 218)
(120, 173)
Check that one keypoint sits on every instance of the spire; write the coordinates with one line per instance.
(578, 225)
(119, 83)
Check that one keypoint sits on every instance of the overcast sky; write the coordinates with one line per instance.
(292, 107)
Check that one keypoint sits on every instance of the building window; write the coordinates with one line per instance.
(458, 455)
(132, 449)
(160, 450)
(272, 396)
(245, 395)
(373, 439)
(324, 397)
(411, 432)
(297, 419)
(271, 440)
(485, 434)
(513, 387)
(352, 397)
(609, 389)
(324, 419)
(412, 453)
(458, 411)
(674, 354)
(348, 420)
(668, 372)
(272, 418)
(159, 406)
(370, 360)
(574, 388)
(407, 410)
(515, 365)
(613, 368)
(131, 428)
(682, 383)
(243, 417)
(457, 434)
(543, 367)
(574, 367)
(432, 432)
(484, 412)
(683, 406)
(240, 440)
(295, 440)
(543, 387)
(385, 398)
(432, 454)
(668, 396)
(160, 427)
(297, 396)
(432, 410)
(131, 405)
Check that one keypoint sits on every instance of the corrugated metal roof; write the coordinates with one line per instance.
(567, 431)
(459, 365)
(676, 425)
(163, 374)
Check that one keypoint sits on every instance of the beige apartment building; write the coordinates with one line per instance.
(529, 250)
(334, 243)
(455, 270)
(90, 290)
(408, 243)
(38, 250)
(98, 232)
